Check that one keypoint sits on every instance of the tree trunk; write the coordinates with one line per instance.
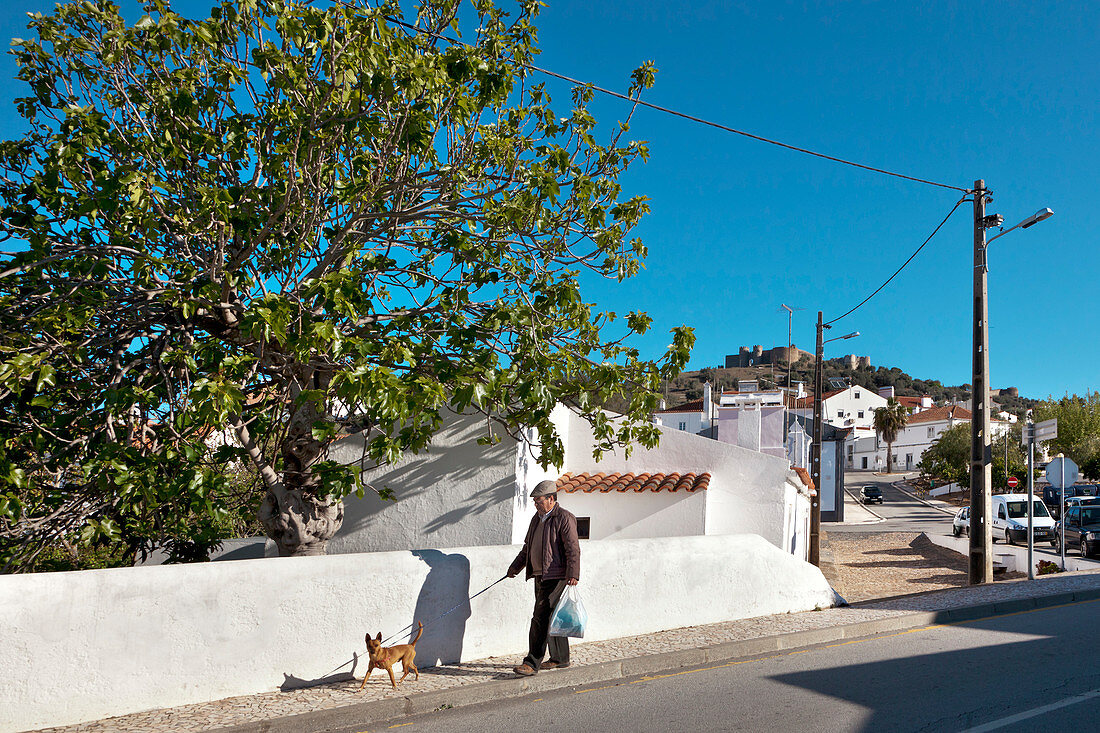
(298, 523)
(295, 514)
(889, 453)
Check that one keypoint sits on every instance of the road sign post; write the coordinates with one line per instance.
(1061, 472)
(1033, 432)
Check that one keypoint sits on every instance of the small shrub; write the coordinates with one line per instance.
(1046, 567)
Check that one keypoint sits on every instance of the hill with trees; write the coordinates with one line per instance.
(689, 385)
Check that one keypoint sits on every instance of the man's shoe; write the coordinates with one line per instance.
(554, 665)
(524, 670)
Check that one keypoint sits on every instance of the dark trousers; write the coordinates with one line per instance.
(546, 597)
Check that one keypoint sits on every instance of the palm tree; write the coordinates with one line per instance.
(889, 421)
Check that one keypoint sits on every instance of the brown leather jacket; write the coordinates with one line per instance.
(563, 549)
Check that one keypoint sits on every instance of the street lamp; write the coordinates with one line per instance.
(790, 318)
(815, 460)
(981, 446)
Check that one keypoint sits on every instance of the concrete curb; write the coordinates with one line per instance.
(930, 505)
(369, 713)
(865, 508)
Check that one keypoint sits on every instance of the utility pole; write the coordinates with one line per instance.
(981, 450)
(815, 454)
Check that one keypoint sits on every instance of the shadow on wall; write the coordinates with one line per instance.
(443, 606)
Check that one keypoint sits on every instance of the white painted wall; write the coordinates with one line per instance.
(630, 515)
(747, 493)
(87, 645)
(693, 422)
(458, 493)
(843, 408)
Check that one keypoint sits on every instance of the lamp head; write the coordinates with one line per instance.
(1037, 217)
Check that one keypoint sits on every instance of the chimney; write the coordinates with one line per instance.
(925, 402)
(706, 400)
(886, 392)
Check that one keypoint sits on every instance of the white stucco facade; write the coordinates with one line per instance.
(463, 494)
(86, 645)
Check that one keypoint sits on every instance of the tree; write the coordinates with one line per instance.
(949, 457)
(889, 421)
(1078, 428)
(247, 235)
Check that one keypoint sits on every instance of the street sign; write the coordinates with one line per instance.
(1062, 472)
(1013, 482)
(1047, 429)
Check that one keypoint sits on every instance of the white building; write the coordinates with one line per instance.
(752, 418)
(461, 494)
(866, 450)
(696, 417)
(852, 407)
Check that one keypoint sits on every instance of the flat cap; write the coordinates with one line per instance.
(544, 488)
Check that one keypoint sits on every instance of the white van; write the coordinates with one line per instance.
(1010, 519)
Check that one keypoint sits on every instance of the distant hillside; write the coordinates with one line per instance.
(689, 385)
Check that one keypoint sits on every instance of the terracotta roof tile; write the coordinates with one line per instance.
(804, 475)
(693, 406)
(944, 412)
(589, 483)
(808, 400)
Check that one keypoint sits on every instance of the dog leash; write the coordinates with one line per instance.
(460, 605)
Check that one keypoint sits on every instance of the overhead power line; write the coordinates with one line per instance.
(880, 287)
(965, 191)
(683, 115)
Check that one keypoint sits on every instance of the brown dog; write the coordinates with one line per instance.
(386, 656)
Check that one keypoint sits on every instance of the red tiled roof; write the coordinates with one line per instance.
(693, 406)
(605, 482)
(943, 412)
(909, 401)
(804, 475)
(808, 401)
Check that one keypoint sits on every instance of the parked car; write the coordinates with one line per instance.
(870, 495)
(1010, 519)
(960, 525)
(1082, 501)
(1082, 529)
(1052, 495)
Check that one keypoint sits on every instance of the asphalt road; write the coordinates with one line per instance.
(901, 512)
(1031, 671)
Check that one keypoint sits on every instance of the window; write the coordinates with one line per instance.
(683, 426)
(851, 448)
(856, 395)
(840, 413)
(1001, 512)
(861, 413)
(865, 461)
(931, 432)
(584, 525)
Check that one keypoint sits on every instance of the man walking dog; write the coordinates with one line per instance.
(551, 555)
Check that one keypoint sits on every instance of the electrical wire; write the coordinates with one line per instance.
(683, 115)
(880, 287)
(965, 191)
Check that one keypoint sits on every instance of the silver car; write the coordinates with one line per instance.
(960, 525)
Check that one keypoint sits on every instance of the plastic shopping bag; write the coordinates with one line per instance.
(569, 618)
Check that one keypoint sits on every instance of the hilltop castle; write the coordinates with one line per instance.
(778, 355)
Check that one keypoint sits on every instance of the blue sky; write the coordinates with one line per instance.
(949, 92)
